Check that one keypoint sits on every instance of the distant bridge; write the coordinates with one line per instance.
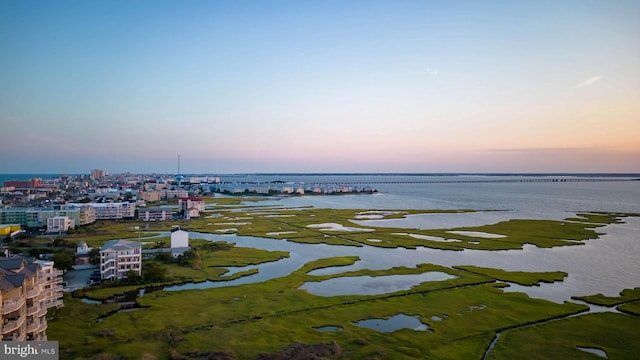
(490, 181)
(452, 181)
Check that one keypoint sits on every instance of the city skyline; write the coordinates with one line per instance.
(322, 87)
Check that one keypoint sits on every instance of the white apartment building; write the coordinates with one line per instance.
(106, 211)
(111, 211)
(28, 288)
(60, 224)
(117, 257)
(155, 214)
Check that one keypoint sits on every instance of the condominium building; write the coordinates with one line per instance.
(28, 288)
(155, 213)
(86, 214)
(60, 224)
(97, 174)
(117, 257)
(111, 211)
(27, 217)
(38, 217)
(191, 206)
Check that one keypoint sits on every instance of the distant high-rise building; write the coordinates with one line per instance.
(98, 174)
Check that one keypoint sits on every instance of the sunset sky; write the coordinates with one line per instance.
(319, 86)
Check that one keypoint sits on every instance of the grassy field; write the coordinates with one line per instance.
(463, 314)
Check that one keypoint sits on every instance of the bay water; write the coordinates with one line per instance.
(605, 265)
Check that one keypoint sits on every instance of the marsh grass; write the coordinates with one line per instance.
(627, 295)
(616, 334)
(251, 319)
(518, 277)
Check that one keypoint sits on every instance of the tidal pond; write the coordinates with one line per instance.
(594, 351)
(368, 285)
(394, 323)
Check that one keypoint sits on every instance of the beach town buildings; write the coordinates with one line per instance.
(118, 257)
(80, 214)
(28, 288)
(191, 207)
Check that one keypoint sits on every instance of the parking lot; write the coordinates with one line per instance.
(78, 278)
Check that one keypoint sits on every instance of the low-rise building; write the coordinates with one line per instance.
(59, 224)
(82, 248)
(86, 214)
(118, 257)
(111, 211)
(155, 214)
(149, 196)
(191, 207)
(172, 194)
(179, 241)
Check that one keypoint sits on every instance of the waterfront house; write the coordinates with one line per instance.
(117, 257)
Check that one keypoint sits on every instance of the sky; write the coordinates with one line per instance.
(319, 86)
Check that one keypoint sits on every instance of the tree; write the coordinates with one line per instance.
(164, 257)
(94, 256)
(63, 261)
(153, 272)
(131, 277)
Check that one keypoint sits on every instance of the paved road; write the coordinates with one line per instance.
(77, 279)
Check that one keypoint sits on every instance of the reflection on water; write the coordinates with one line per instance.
(394, 323)
(368, 285)
(329, 328)
(595, 351)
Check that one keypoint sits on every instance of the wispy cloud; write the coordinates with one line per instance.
(590, 81)
(429, 71)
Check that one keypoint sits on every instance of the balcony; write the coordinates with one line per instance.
(57, 272)
(33, 326)
(12, 305)
(12, 325)
(31, 293)
(36, 326)
(33, 309)
(56, 303)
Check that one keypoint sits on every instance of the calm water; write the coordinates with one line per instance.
(606, 265)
